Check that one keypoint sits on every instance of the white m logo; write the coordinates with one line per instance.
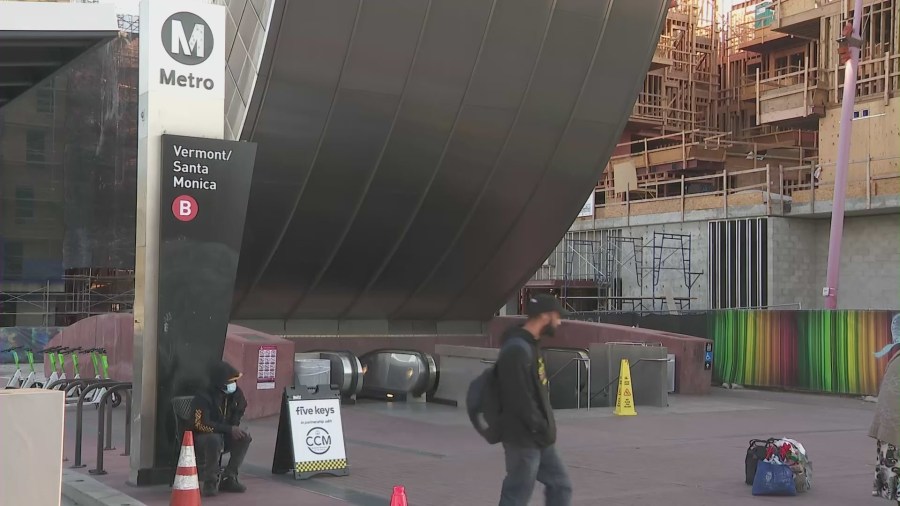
(182, 45)
(187, 38)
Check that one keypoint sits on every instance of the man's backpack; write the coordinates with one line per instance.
(483, 401)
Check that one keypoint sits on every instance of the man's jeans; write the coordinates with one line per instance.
(524, 466)
(208, 448)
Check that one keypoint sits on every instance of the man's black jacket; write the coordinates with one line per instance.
(526, 418)
(214, 410)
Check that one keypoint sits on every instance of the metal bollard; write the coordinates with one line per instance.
(104, 406)
(108, 445)
(53, 386)
(127, 423)
(79, 415)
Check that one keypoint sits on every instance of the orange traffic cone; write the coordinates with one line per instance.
(398, 498)
(186, 488)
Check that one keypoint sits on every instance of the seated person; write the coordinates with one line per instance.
(217, 414)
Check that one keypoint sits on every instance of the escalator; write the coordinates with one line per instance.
(397, 375)
(567, 371)
(345, 373)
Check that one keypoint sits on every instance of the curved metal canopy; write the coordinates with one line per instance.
(418, 159)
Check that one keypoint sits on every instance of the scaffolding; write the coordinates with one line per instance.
(670, 252)
(584, 283)
(594, 271)
(129, 23)
(62, 302)
(662, 253)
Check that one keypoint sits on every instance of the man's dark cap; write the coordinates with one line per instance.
(541, 303)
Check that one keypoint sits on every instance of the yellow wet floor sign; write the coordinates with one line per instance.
(624, 394)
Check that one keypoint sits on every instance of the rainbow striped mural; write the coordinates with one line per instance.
(822, 351)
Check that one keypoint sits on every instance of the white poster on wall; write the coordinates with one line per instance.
(588, 209)
(265, 367)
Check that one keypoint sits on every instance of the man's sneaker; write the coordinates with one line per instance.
(231, 484)
(209, 489)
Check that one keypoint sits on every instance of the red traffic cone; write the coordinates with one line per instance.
(186, 488)
(398, 498)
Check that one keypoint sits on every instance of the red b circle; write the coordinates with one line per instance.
(185, 208)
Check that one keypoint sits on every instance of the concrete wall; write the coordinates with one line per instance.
(793, 265)
(870, 262)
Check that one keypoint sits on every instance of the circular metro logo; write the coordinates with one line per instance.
(185, 208)
(187, 38)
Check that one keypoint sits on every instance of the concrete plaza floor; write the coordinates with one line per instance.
(691, 453)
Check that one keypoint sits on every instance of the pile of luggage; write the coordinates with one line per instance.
(777, 467)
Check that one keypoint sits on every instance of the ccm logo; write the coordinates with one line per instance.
(318, 440)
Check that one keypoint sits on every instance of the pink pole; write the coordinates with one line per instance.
(843, 160)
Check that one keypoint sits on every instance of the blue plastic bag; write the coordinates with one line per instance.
(773, 479)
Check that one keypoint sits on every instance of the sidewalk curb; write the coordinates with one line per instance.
(86, 491)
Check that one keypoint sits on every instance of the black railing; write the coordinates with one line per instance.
(104, 431)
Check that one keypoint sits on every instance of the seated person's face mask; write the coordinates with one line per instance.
(231, 388)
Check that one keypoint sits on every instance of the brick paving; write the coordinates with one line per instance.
(688, 454)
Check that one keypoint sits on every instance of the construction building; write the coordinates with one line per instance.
(720, 194)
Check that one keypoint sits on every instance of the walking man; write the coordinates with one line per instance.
(527, 424)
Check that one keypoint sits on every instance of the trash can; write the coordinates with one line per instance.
(312, 372)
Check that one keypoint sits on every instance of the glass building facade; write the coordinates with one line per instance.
(68, 158)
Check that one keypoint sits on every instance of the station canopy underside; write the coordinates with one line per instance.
(39, 38)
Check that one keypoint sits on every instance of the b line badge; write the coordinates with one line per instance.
(184, 207)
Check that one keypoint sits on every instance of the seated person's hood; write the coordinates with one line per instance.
(223, 373)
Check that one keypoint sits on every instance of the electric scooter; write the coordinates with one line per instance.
(104, 364)
(32, 380)
(100, 361)
(74, 393)
(55, 374)
(61, 360)
(16, 380)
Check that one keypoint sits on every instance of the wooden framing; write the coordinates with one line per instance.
(733, 93)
